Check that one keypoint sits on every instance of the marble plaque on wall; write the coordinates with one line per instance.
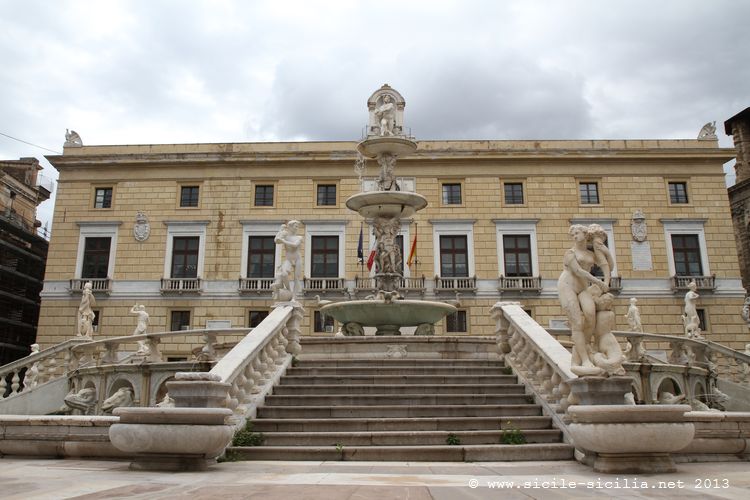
(641, 253)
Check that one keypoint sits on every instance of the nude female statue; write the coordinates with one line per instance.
(602, 256)
(576, 299)
(690, 318)
(85, 312)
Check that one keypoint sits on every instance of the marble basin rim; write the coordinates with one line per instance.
(373, 146)
(379, 312)
(386, 203)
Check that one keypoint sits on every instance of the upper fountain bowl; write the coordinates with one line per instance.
(395, 145)
(386, 203)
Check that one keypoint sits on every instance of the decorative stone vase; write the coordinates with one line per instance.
(631, 439)
(172, 439)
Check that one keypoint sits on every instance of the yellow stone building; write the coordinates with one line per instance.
(187, 230)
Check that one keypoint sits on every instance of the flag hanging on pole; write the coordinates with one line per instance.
(360, 253)
(371, 256)
(413, 251)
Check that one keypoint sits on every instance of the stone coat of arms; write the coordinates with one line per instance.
(638, 227)
(141, 229)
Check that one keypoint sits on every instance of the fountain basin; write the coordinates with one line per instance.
(373, 146)
(386, 203)
(388, 317)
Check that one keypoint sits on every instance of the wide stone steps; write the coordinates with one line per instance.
(401, 409)
(404, 389)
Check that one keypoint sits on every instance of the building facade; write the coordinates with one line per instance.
(22, 255)
(738, 127)
(187, 230)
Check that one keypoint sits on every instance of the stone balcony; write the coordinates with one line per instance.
(181, 286)
(705, 283)
(98, 285)
(255, 285)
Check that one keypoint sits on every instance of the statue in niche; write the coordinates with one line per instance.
(634, 316)
(588, 306)
(72, 138)
(387, 178)
(638, 226)
(388, 255)
(288, 279)
(386, 115)
(141, 327)
(86, 313)
(708, 132)
(690, 320)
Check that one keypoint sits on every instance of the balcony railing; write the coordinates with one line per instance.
(455, 284)
(181, 285)
(255, 285)
(615, 284)
(520, 284)
(98, 285)
(324, 285)
(705, 283)
(406, 285)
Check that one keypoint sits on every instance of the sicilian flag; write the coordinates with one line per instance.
(360, 253)
(413, 251)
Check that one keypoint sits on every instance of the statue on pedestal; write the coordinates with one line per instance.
(284, 288)
(690, 320)
(634, 316)
(141, 326)
(386, 114)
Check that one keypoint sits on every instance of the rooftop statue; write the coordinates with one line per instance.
(72, 139)
(708, 132)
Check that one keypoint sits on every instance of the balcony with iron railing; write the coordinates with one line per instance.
(520, 284)
(181, 286)
(255, 285)
(455, 284)
(98, 285)
(705, 283)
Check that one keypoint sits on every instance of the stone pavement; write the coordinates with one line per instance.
(92, 479)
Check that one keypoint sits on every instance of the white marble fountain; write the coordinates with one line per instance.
(386, 310)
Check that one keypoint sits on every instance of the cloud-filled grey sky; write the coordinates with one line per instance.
(169, 71)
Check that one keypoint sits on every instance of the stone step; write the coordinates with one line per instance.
(398, 379)
(499, 411)
(363, 362)
(444, 370)
(521, 422)
(445, 453)
(402, 438)
(407, 399)
(423, 389)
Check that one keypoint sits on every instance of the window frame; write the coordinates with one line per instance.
(514, 182)
(455, 227)
(185, 229)
(189, 311)
(452, 182)
(185, 253)
(325, 252)
(318, 185)
(187, 185)
(675, 182)
(274, 194)
(318, 314)
(251, 311)
(96, 252)
(685, 226)
(325, 228)
(97, 230)
(595, 182)
(95, 195)
(516, 227)
(457, 314)
(257, 228)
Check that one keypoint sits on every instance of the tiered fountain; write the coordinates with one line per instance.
(387, 310)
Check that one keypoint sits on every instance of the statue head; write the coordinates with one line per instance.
(578, 232)
(597, 232)
(87, 286)
(293, 226)
(692, 286)
(633, 301)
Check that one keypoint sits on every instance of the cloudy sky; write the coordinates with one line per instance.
(161, 71)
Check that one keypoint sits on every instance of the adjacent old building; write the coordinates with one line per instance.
(738, 127)
(187, 230)
(22, 255)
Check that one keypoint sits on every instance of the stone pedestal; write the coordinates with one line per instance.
(631, 439)
(599, 390)
(198, 390)
(172, 439)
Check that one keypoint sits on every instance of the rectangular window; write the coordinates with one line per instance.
(264, 195)
(189, 196)
(185, 256)
(322, 323)
(687, 255)
(678, 192)
(255, 317)
(452, 193)
(324, 257)
(517, 249)
(95, 321)
(589, 193)
(261, 254)
(454, 257)
(179, 320)
(513, 193)
(702, 319)
(103, 198)
(456, 322)
(96, 258)
(326, 195)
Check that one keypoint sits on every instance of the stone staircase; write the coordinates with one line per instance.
(402, 409)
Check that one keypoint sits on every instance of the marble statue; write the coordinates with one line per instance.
(602, 256)
(167, 402)
(607, 354)
(72, 138)
(698, 405)
(83, 401)
(123, 397)
(746, 311)
(745, 367)
(634, 316)
(141, 327)
(142, 228)
(386, 115)
(86, 313)
(690, 319)
(577, 301)
(708, 132)
(388, 255)
(667, 398)
(288, 282)
(387, 178)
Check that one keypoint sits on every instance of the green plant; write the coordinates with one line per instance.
(452, 440)
(339, 447)
(295, 361)
(512, 435)
(229, 456)
(246, 436)
(506, 370)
